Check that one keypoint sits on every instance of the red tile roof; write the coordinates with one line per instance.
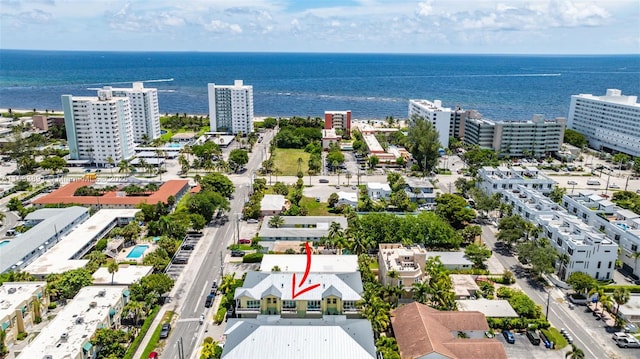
(421, 330)
(64, 195)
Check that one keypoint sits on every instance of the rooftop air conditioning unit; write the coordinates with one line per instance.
(64, 337)
(47, 356)
(12, 290)
(93, 304)
(102, 293)
(79, 320)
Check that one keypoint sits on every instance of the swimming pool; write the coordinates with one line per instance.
(4, 243)
(137, 251)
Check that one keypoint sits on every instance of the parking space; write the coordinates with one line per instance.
(523, 349)
(181, 259)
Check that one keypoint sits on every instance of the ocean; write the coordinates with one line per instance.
(372, 86)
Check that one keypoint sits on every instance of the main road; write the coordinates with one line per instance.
(205, 266)
(594, 344)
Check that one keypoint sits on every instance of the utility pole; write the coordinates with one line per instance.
(180, 349)
(237, 228)
(548, 299)
(221, 266)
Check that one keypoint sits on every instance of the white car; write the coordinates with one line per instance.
(613, 185)
(572, 183)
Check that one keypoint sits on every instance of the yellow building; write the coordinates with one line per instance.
(22, 304)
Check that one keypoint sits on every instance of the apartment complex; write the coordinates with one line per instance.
(231, 108)
(99, 128)
(48, 226)
(440, 117)
(500, 179)
(300, 228)
(587, 250)
(20, 304)
(145, 112)
(619, 225)
(69, 334)
(609, 122)
(339, 120)
(271, 293)
(536, 137)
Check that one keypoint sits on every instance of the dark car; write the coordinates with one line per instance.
(323, 180)
(236, 253)
(181, 260)
(209, 301)
(164, 332)
(533, 337)
(545, 341)
(188, 247)
(508, 336)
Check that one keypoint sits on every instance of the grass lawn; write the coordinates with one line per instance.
(554, 335)
(286, 160)
(155, 337)
(315, 208)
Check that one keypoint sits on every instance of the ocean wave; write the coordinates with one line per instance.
(307, 95)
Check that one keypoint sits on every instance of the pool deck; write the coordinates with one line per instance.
(122, 256)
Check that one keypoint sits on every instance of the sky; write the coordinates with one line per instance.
(368, 26)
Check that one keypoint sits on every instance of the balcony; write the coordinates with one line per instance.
(245, 310)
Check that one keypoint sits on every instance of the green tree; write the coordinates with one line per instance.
(238, 158)
(205, 203)
(53, 163)
(470, 233)
(557, 193)
(333, 200)
(217, 182)
(621, 296)
(423, 143)
(388, 347)
(575, 353)
(276, 221)
(69, 283)
(575, 138)
(454, 209)
(112, 268)
(477, 254)
(373, 161)
(111, 343)
(581, 282)
(541, 257)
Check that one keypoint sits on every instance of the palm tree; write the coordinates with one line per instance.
(125, 166)
(575, 353)
(394, 276)
(620, 296)
(227, 283)
(348, 175)
(601, 297)
(276, 221)
(276, 172)
(635, 257)
(112, 267)
(110, 161)
(335, 230)
(420, 292)
(377, 312)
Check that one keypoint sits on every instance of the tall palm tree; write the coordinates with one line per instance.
(348, 176)
(125, 166)
(621, 296)
(420, 292)
(276, 221)
(394, 275)
(111, 162)
(635, 257)
(377, 312)
(575, 353)
(112, 267)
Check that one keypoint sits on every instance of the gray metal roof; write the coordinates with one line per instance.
(298, 227)
(451, 258)
(50, 221)
(268, 337)
(257, 285)
(272, 202)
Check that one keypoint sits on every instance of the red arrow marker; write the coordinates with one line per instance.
(304, 277)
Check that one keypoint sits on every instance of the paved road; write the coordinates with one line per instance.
(595, 343)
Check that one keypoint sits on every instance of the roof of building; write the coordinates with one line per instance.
(632, 307)
(319, 263)
(183, 136)
(256, 284)
(490, 308)
(269, 337)
(451, 258)
(65, 195)
(421, 330)
(125, 275)
(378, 186)
(13, 294)
(418, 183)
(329, 134)
(61, 257)
(52, 221)
(301, 226)
(348, 196)
(78, 333)
(464, 284)
(272, 202)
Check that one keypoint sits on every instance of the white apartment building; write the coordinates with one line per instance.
(500, 179)
(69, 334)
(587, 250)
(536, 137)
(20, 304)
(377, 191)
(619, 225)
(440, 117)
(407, 262)
(99, 127)
(144, 110)
(609, 122)
(231, 108)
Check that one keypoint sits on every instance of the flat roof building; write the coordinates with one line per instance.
(231, 108)
(272, 204)
(300, 228)
(339, 120)
(68, 253)
(434, 113)
(609, 122)
(495, 308)
(127, 274)
(289, 263)
(68, 335)
(145, 111)
(500, 179)
(18, 308)
(49, 226)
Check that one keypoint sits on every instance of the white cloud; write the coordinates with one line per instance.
(218, 26)
(425, 8)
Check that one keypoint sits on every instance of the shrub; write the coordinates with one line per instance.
(252, 258)
(101, 245)
(219, 318)
(21, 336)
(504, 292)
(208, 340)
(37, 320)
(52, 305)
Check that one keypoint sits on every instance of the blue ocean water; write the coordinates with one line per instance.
(501, 87)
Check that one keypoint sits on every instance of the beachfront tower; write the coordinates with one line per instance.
(231, 108)
(144, 110)
(609, 122)
(440, 117)
(98, 128)
(339, 120)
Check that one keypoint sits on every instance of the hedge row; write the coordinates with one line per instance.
(631, 288)
(143, 331)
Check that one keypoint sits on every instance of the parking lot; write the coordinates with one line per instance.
(523, 349)
(181, 258)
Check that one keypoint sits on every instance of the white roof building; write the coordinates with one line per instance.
(271, 337)
(17, 309)
(272, 204)
(300, 228)
(231, 107)
(378, 190)
(433, 112)
(289, 263)
(145, 111)
(608, 122)
(49, 225)
(348, 198)
(500, 179)
(67, 254)
(68, 335)
(496, 308)
(126, 275)
(452, 260)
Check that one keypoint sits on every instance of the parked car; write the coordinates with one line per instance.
(188, 247)
(153, 355)
(181, 260)
(572, 183)
(628, 343)
(164, 332)
(614, 186)
(209, 301)
(252, 220)
(244, 241)
(237, 253)
(533, 337)
(545, 340)
(508, 336)
(323, 180)
(593, 183)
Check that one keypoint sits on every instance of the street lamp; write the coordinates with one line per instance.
(548, 299)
